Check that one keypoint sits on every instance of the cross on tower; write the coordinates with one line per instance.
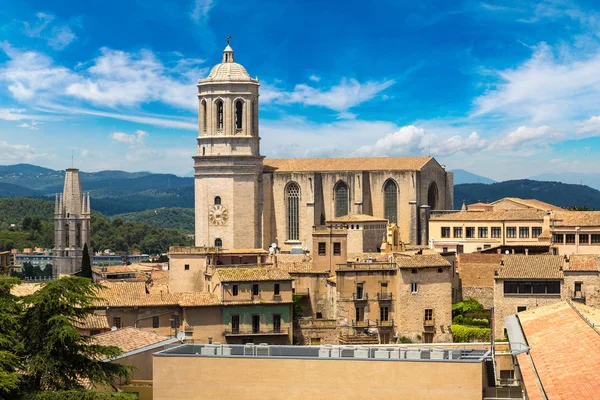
(228, 38)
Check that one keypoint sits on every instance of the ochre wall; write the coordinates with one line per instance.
(177, 378)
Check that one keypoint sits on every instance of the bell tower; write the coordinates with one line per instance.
(228, 167)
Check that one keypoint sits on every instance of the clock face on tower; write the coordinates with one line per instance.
(217, 214)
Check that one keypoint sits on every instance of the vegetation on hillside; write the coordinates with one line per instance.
(172, 218)
(35, 228)
(560, 194)
(41, 350)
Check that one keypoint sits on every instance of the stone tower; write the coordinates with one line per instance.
(228, 167)
(72, 226)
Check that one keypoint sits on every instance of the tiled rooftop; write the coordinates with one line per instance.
(358, 218)
(128, 294)
(197, 299)
(477, 270)
(347, 164)
(240, 274)
(583, 262)
(565, 351)
(531, 203)
(296, 263)
(501, 215)
(542, 266)
(25, 289)
(129, 339)
(93, 321)
(576, 218)
(421, 261)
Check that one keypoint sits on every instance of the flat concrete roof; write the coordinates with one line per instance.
(362, 353)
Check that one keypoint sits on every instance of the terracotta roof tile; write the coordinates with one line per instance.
(565, 350)
(531, 203)
(542, 266)
(477, 270)
(502, 215)
(129, 339)
(240, 274)
(576, 218)
(197, 299)
(25, 289)
(363, 257)
(347, 164)
(421, 261)
(93, 321)
(128, 294)
(583, 262)
(122, 269)
(296, 263)
(358, 218)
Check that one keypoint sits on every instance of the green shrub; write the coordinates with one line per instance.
(77, 395)
(404, 339)
(466, 306)
(459, 319)
(463, 334)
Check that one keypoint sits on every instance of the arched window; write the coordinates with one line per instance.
(218, 242)
(341, 199)
(239, 108)
(390, 201)
(219, 104)
(432, 196)
(204, 116)
(253, 119)
(217, 200)
(292, 195)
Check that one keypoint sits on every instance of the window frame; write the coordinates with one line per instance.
(255, 289)
(414, 287)
(459, 230)
(482, 232)
(235, 290)
(322, 249)
(445, 232)
(511, 232)
(524, 232)
(337, 248)
(276, 289)
(155, 322)
(496, 232)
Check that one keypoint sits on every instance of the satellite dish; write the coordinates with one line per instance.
(506, 252)
(114, 328)
(181, 336)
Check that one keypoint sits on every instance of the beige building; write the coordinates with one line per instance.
(476, 276)
(245, 201)
(320, 372)
(366, 233)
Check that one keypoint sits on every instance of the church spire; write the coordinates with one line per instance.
(228, 52)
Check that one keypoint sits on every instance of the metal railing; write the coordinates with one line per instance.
(429, 322)
(362, 297)
(385, 324)
(244, 331)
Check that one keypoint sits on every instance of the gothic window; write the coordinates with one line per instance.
(217, 200)
(239, 108)
(78, 236)
(219, 104)
(218, 242)
(390, 201)
(67, 236)
(341, 199)
(292, 194)
(432, 196)
(253, 118)
(203, 104)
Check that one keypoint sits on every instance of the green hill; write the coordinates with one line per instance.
(173, 218)
(560, 194)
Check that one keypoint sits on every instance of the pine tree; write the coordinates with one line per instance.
(86, 266)
(10, 343)
(58, 356)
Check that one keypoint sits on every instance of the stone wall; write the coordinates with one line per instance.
(311, 331)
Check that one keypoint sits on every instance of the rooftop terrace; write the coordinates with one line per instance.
(363, 353)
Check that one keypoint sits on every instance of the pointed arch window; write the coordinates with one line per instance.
(239, 114)
(432, 196)
(219, 104)
(341, 199)
(218, 242)
(204, 116)
(390, 201)
(292, 194)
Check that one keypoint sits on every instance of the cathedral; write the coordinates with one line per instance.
(244, 200)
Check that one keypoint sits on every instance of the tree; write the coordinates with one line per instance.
(86, 265)
(10, 344)
(26, 224)
(58, 356)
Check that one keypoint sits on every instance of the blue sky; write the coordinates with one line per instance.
(504, 89)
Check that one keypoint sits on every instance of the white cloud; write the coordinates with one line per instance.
(314, 78)
(590, 127)
(12, 152)
(347, 94)
(32, 126)
(136, 139)
(545, 88)
(522, 135)
(12, 114)
(201, 10)
(58, 37)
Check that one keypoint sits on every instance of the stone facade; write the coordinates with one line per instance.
(243, 201)
(72, 226)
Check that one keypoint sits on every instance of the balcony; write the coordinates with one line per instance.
(361, 323)
(429, 323)
(384, 296)
(360, 297)
(244, 331)
(385, 324)
(370, 323)
(578, 296)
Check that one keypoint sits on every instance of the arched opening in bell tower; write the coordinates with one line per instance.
(219, 116)
(239, 113)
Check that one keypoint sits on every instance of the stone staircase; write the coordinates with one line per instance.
(353, 340)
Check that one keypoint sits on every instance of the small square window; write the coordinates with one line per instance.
(521, 308)
(255, 289)
(413, 271)
(187, 267)
(175, 322)
(322, 248)
(235, 290)
(337, 249)
(117, 322)
(155, 322)
(440, 270)
(319, 315)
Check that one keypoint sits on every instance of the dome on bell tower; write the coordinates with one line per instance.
(228, 69)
